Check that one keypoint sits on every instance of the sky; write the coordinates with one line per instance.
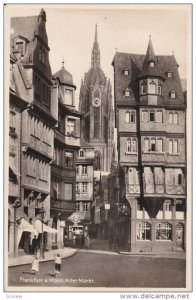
(71, 31)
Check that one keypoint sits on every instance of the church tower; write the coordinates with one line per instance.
(97, 110)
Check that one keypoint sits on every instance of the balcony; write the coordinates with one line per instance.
(71, 140)
(61, 204)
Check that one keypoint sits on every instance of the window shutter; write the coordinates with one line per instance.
(146, 145)
(78, 127)
(160, 145)
(175, 148)
(159, 116)
(145, 116)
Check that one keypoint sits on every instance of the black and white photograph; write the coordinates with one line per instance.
(97, 147)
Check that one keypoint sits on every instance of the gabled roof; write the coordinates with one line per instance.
(23, 26)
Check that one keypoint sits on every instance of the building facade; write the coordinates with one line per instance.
(150, 116)
(66, 145)
(97, 110)
(33, 79)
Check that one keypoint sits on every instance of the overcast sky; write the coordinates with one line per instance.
(71, 33)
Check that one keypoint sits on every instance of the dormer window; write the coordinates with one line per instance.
(152, 64)
(173, 94)
(126, 72)
(127, 93)
(169, 74)
(20, 47)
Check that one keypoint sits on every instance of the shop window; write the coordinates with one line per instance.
(163, 232)
(143, 231)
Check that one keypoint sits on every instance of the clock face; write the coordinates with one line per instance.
(96, 102)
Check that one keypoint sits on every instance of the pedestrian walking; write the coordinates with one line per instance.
(57, 260)
(87, 242)
(35, 265)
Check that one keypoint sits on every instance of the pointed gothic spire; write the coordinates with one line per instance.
(150, 65)
(95, 58)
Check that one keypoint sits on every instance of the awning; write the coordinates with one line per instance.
(25, 226)
(38, 227)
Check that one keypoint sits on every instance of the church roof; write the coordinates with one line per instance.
(95, 75)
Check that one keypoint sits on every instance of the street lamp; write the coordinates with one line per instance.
(42, 212)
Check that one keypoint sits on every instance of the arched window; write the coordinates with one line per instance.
(170, 146)
(143, 231)
(175, 146)
(153, 144)
(133, 145)
(132, 117)
(163, 232)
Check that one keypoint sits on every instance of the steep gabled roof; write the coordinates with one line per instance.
(134, 64)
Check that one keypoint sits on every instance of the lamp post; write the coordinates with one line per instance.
(42, 212)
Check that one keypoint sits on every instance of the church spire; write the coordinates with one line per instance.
(95, 57)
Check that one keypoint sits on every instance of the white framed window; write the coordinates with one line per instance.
(143, 231)
(160, 145)
(159, 116)
(169, 74)
(68, 97)
(84, 187)
(132, 117)
(151, 64)
(175, 118)
(152, 87)
(85, 206)
(81, 153)
(126, 72)
(146, 145)
(128, 146)
(84, 170)
(145, 116)
(77, 188)
(127, 117)
(143, 89)
(71, 125)
(163, 232)
(173, 94)
(153, 144)
(159, 90)
(170, 118)
(152, 116)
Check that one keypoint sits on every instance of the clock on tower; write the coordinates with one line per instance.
(96, 102)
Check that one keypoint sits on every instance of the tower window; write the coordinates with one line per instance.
(151, 64)
(126, 72)
(152, 87)
(143, 89)
(152, 116)
(169, 74)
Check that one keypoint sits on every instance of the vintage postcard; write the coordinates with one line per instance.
(98, 147)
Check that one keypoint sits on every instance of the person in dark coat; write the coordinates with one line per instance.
(34, 245)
